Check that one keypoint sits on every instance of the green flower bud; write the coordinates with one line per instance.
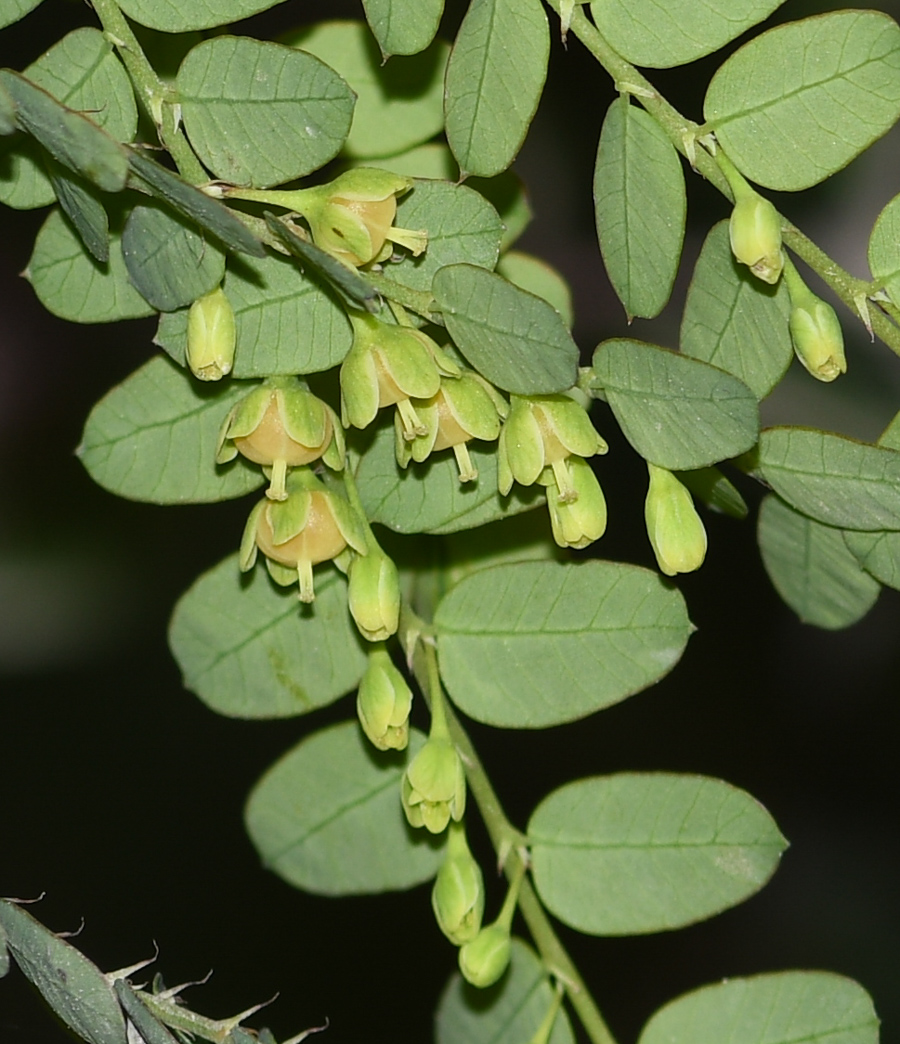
(815, 330)
(457, 897)
(211, 336)
(755, 232)
(464, 408)
(580, 520)
(543, 431)
(673, 525)
(383, 703)
(374, 595)
(281, 425)
(311, 525)
(388, 365)
(434, 786)
(485, 958)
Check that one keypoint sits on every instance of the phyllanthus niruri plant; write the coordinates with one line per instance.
(344, 321)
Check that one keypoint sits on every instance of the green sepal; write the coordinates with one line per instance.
(248, 550)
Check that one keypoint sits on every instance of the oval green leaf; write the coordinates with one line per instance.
(640, 208)
(348, 835)
(817, 92)
(72, 986)
(154, 438)
(249, 649)
(168, 261)
(260, 114)
(677, 412)
(509, 1012)
(647, 852)
(80, 202)
(733, 320)
(73, 285)
(399, 104)
(179, 16)
(659, 36)
(812, 568)
(12, 10)
(833, 479)
(884, 249)
(878, 554)
(776, 1008)
(516, 340)
(428, 497)
(495, 77)
(534, 644)
(403, 26)
(284, 322)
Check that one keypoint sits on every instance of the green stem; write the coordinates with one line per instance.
(158, 99)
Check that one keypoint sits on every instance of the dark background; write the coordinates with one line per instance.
(122, 794)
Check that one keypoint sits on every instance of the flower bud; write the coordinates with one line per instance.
(211, 336)
(464, 408)
(755, 231)
(434, 786)
(485, 958)
(312, 525)
(457, 897)
(580, 520)
(281, 425)
(815, 330)
(374, 594)
(383, 703)
(675, 529)
(543, 431)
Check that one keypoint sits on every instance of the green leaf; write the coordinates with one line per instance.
(494, 82)
(832, 479)
(74, 988)
(403, 26)
(154, 438)
(258, 113)
(514, 339)
(74, 286)
(7, 112)
(509, 1012)
(348, 835)
(640, 208)
(81, 71)
(535, 644)
(679, 413)
(462, 227)
(81, 205)
(733, 320)
(878, 553)
(776, 1008)
(538, 278)
(399, 104)
(167, 260)
(250, 649)
(711, 486)
(178, 16)
(4, 953)
(428, 497)
(285, 323)
(12, 10)
(646, 852)
(190, 202)
(884, 249)
(812, 568)
(817, 92)
(662, 35)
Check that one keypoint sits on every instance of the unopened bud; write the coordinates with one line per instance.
(815, 330)
(374, 595)
(457, 897)
(755, 231)
(383, 703)
(485, 958)
(676, 531)
(211, 336)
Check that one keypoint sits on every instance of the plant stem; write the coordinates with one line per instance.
(155, 96)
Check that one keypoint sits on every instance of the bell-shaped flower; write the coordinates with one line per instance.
(433, 790)
(389, 365)
(313, 524)
(464, 408)
(543, 431)
(581, 519)
(281, 425)
(383, 702)
(457, 896)
(676, 531)
(211, 336)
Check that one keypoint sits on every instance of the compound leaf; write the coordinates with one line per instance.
(640, 208)
(327, 818)
(154, 437)
(495, 77)
(259, 113)
(534, 644)
(249, 649)
(677, 412)
(403, 26)
(646, 852)
(817, 92)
